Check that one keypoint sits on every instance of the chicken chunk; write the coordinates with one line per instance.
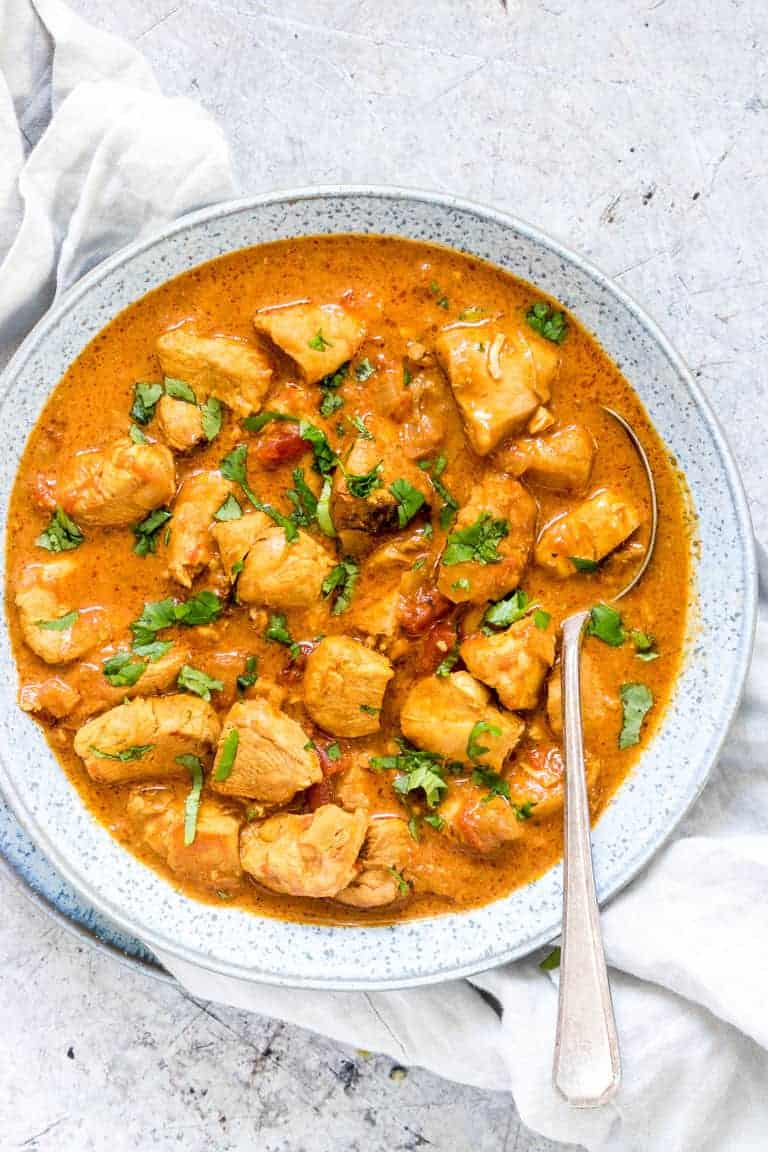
(116, 485)
(498, 378)
(497, 502)
(344, 686)
(191, 545)
(213, 857)
(442, 713)
(272, 760)
(375, 607)
(96, 693)
(357, 786)
(588, 532)
(311, 855)
(52, 627)
(386, 854)
(53, 697)
(276, 572)
(375, 508)
(237, 373)
(514, 662)
(536, 779)
(561, 461)
(477, 821)
(319, 337)
(425, 428)
(600, 706)
(142, 739)
(180, 423)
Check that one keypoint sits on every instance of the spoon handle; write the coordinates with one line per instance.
(587, 1067)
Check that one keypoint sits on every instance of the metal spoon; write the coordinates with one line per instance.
(587, 1064)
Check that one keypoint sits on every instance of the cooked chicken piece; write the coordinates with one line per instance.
(141, 740)
(276, 572)
(424, 429)
(191, 545)
(499, 379)
(272, 760)
(344, 686)
(386, 854)
(514, 662)
(588, 532)
(45, 613)
(237, 373)
(116, 485)
(97, 694)
(441, 714)
(376, 603)
(180, 423)
(213, 857)
(378, 510)
(600, 706)
(482, 823)
(312, 855)
(319, 337)
(541, 421)
(561, 461)
(536, 779)
(52, 697)
(357, 786)
(493, 499)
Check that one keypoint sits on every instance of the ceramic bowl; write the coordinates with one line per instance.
(672, 770)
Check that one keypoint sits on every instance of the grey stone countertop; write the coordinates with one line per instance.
(636, 133)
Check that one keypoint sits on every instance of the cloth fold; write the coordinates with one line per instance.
(94, 156)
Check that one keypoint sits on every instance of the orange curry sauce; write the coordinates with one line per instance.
(405, 292)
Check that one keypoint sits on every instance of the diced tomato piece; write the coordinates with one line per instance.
(319, 794)
(330, 767)
(280, 443)
(294, 669)
(420, 611)
(436, 645)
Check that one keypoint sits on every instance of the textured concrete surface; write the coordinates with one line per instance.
(636, 133)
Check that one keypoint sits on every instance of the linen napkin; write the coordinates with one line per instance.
(93, 156)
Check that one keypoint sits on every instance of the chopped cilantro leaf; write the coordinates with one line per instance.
(330, 403)
(123, 670)
(333, 751)
(495, 783)
(60, 624)
(359, 424)
(249, 677)
(197, 682)
(229, 510)
(324, 519)
(258, 421)
(179, 390)
(474, 749)
(409, 500)
(147, 531)
(548, 323)
(402, 883)
(200, 609)
(226, 758)
(364, 370)
(435, 820)
(211, 417)
(125, 755)
(369, 709)
(418, 770)
(541, 619)
(583, 565)
(606, 624)
(645, 645)
(137, 435)
(325, 457)
(507, 611)
(342, 580)
(636, 702)
(277, 629)
(194, 766)
(303, 499)
(477, 542)
(61, 535)
(235, 467)
(550, 962)
(364, 484)
(145, 397)
(318, 343)
(524, 811)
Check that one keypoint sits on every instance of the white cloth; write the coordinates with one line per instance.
(686, 942)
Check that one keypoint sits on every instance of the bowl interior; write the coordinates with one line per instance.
(652, 800)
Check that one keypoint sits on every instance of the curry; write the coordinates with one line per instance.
(288, 552)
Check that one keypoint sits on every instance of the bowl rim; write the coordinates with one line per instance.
(742, 661)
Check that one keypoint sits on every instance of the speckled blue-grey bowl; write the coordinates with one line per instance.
(673, 769)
